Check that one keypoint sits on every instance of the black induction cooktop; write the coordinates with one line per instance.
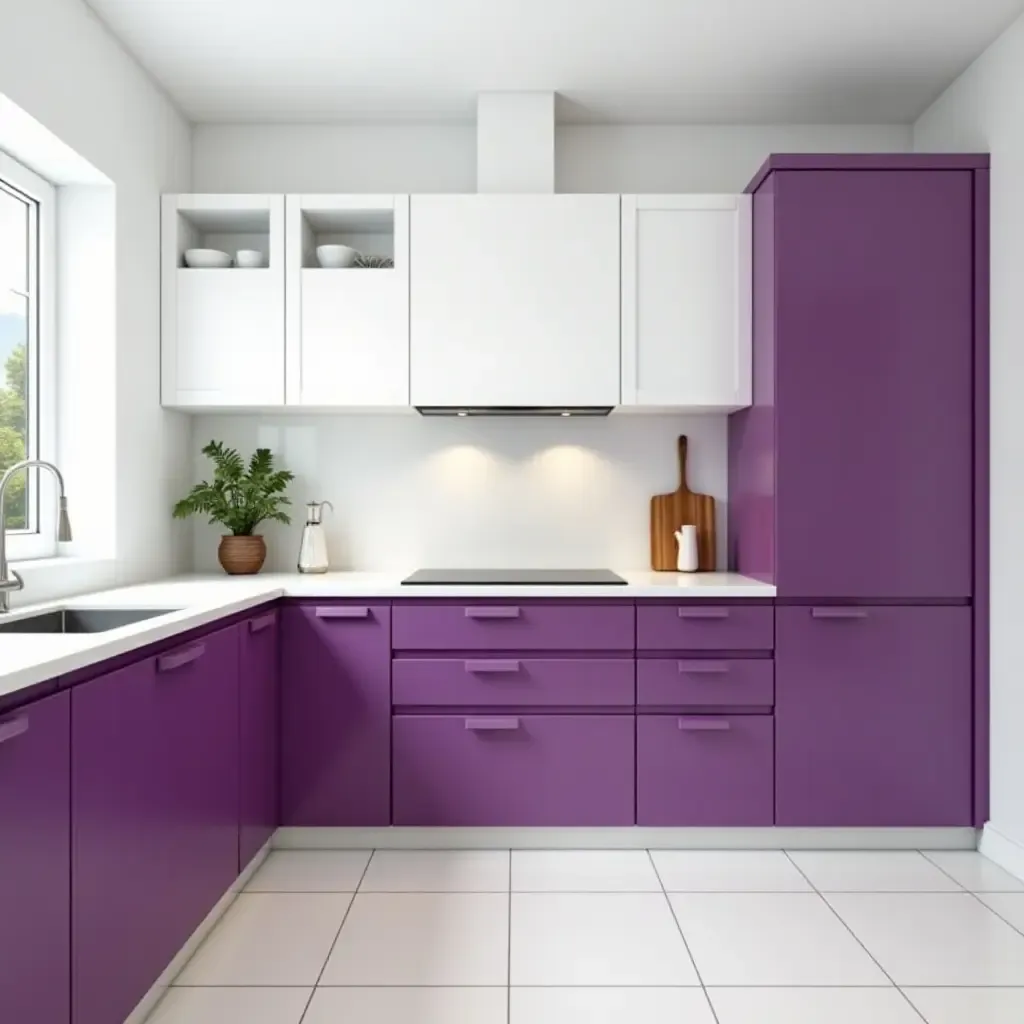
(525, 577)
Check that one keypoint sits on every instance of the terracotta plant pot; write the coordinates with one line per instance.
(242, 556)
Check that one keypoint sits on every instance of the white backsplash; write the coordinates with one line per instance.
(415, 492)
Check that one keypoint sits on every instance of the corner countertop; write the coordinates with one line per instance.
(27, 659)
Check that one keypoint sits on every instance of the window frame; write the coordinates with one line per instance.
(39, 540)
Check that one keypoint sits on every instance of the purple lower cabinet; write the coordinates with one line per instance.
(154, 816)
(704, 770)
(35, 868)
(873, 716)
(696, 627)
(705, 682)
(336, 715)
(259, 763)
(514, 770)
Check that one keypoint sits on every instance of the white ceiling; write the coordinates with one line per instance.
(645, 61)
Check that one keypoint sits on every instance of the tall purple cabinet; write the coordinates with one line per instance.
(35, 862)
(856, 481)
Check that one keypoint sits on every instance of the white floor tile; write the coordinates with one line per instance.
(974, 872)
(583, 871)
(1008, 905)
(269, 939)
(609, 1006)
(422, 939)
(812, 1006)
(597, 939)
(968, 1005)
(785, 939)
(408, 1006)
(437, 871)
(934, 938)
(231, 1006)
(872, 871)
(728, 871)
(310, 871)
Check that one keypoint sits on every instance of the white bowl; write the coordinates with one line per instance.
(207, 258)
(336, 255)
(249, 259)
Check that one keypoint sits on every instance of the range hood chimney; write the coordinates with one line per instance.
(515, 142)
(515, 153)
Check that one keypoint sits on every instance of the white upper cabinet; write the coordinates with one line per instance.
(686, 301)
(514, 300)
(348, 327)
(222, 331)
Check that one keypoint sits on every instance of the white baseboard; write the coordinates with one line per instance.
(1002, 850)
(148, 1002)
(627, 838)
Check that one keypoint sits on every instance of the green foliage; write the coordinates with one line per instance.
(12, 435)
(237, 498)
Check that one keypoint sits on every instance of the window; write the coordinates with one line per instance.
(27, 385)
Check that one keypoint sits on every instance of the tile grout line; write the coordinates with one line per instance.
(855, 936)
(977, 896)
(508, 948)
(686, 945)
(337, 935)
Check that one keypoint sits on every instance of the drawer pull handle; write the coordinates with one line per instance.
(178, 659)
(491, 667)
(704, 725)
(497, 612)
(335, 612)
(703, 613)
(492, 724)
(13, 727)
(704, 668)
(838, 613)
(263, 622)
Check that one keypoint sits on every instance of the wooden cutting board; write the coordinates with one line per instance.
(681, 508)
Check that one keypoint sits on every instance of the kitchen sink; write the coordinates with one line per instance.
(81, 620)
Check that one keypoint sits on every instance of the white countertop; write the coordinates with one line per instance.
(27, 659)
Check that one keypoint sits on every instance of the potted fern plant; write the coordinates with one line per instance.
(240, 498)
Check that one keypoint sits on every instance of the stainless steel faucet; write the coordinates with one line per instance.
(9, 579)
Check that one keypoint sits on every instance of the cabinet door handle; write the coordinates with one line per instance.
(703, 725)
(497, 612)
(838, 613)
(704, 668)
(492, 724)
(703, 613)
(491, 667)
(13, 727)
(328, 611)
(177, 659)
(263, 622)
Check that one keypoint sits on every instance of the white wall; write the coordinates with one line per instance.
(983, 111)
(60, 65)
(411, 491)
(442, 158)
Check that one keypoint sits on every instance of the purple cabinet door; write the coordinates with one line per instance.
(258, 734)
(695, 627)
(336, 715)
(873, 716)
(705, 682)
(154, 816)
(704, 770)
(514, 770)
(35, 864)
(874, 333)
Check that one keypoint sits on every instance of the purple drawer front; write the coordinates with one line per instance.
(689, 627)
(512, 682)
(705, 682)
(709, 770)
(515, 770)
(508, 626)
